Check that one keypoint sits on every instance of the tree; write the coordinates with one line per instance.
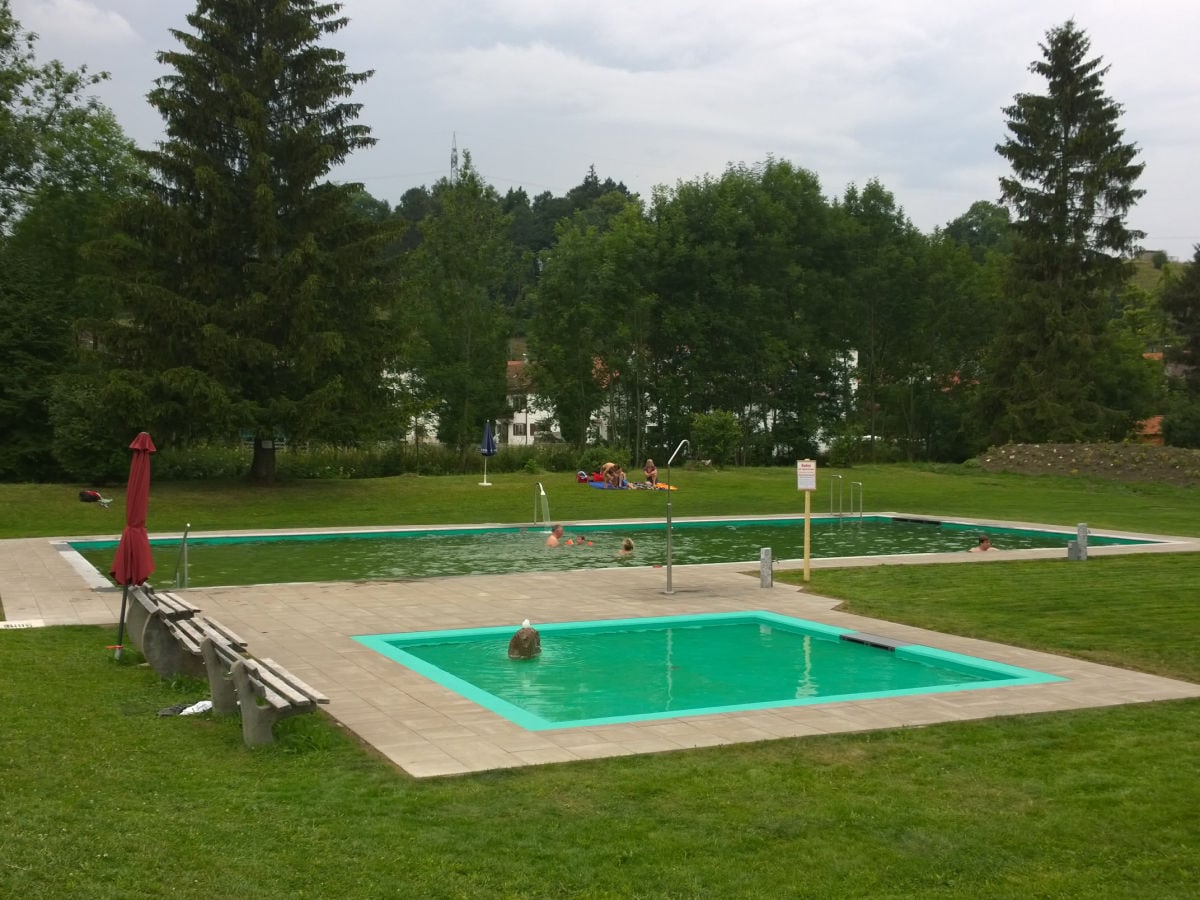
(47, 311)
(34, 100)
(250, 287)
(1181, 301)
(63, 163)
(569, 310)
(1071, 186)
(456, 279)
(984, 228)
(746, 300)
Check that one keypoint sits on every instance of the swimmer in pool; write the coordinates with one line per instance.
(555, 537)
(626, 547)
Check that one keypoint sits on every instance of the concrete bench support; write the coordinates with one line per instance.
(215, 649)
(151, 615)
(282, 695)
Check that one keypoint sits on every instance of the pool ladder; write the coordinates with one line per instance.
(841, 510)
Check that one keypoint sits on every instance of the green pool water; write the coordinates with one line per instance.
(499, 550)
(592, 673)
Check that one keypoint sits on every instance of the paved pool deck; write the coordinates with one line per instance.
(428, 730)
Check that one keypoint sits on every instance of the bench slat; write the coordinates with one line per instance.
(270, 681)
(222, 634)
(286, 683)
(192, 632)
(167, 605)
(189, 637)
(300, 685)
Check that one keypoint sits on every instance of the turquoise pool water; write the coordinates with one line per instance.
(593, 673)
(499, 550)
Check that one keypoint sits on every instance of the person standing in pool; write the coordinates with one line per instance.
(985, 543)
(555, 537)
(626, 547)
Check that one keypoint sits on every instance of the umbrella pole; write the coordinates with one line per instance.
(121, 622)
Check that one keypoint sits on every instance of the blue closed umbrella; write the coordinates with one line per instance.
(487, 448)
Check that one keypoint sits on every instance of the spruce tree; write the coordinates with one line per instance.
(250, 288)
(1071, 187)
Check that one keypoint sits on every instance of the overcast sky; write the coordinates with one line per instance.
(657, 91)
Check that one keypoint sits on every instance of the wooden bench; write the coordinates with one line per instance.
(217, 648)
(150, 614)
(282, 695)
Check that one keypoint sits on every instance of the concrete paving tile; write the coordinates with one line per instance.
(545, 755)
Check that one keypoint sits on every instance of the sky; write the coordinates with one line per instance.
(655, 92)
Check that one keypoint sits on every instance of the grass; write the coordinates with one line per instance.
(103, 799)
(54, 510)
(1136, 611)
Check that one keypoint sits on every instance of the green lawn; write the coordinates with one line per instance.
(49, 510)
(103, 799)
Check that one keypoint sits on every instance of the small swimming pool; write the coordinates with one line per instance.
(605, 672)
(495, 550)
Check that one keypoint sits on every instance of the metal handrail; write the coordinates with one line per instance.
(860, 498)
(540, 493)
(682, 444)
(181, 563)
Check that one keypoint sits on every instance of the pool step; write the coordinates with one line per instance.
(874, 640)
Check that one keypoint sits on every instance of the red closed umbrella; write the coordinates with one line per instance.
(133, 562)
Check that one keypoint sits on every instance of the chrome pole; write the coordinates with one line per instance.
(682, 444)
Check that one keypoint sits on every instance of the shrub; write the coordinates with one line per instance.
(1181, 424)
(592, 458)
(716, 436)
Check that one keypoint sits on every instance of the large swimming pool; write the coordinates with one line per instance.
(449, 551)
(604, 672)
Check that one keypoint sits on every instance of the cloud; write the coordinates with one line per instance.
(75, 22)
(654, 92)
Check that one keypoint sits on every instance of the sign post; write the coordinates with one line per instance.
(806, 480)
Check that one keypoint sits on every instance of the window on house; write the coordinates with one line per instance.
(518, 429)
(532, 427)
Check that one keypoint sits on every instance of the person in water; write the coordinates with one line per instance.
(556, 534)
(985, 543)
(626, 547)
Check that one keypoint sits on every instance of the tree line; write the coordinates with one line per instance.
(220, 286)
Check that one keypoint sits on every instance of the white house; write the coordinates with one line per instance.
(532, 416)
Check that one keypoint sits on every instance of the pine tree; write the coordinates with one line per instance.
(1071, 186)
(250, 287)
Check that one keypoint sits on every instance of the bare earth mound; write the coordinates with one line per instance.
(1120, 462)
